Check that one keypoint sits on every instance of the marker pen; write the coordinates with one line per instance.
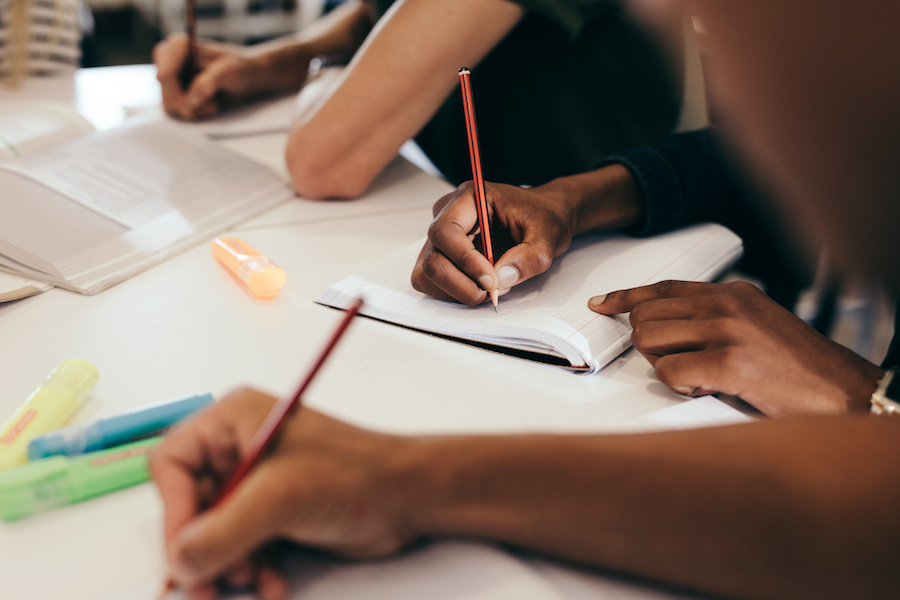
(47, 408)
(51, 482)
(117, 430)
(259, 273)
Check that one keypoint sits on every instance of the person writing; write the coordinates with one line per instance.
(701, 338)
(620, 89)
(782, 508)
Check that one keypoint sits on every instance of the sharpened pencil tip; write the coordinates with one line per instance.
(495, 309)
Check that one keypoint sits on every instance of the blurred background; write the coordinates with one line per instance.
(123, 32)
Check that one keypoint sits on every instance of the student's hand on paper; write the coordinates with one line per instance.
(322, 485)
(226, 74)
(731, 338)
(530, 227)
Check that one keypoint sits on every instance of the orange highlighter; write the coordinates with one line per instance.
(259, 273)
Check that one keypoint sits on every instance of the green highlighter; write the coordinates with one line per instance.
(50, 482)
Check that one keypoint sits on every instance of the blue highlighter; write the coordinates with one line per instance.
(117, 430)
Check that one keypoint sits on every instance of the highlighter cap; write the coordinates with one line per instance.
(50, 482)
(75, 376)
(33, 487)
(262, 276)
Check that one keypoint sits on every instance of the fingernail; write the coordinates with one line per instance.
(596, 301)
(684, 390)
(508, 277)
(486, 282)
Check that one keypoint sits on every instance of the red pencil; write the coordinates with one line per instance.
(267, 433)
(484, 225)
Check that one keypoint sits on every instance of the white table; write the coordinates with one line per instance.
(185, 326)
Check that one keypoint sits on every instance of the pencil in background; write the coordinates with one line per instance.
(189, 70)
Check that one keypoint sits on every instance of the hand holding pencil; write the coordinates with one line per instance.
(484, 220)
(522, 230)
(251, 470)
(530, 228)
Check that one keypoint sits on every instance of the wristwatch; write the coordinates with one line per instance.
(886, 399)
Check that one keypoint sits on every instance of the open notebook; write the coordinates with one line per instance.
(84, 210)
(547, 318)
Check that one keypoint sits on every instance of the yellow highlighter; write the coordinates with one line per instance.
(259, 273)
(47, 408)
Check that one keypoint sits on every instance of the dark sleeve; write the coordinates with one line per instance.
(682, 181)
(691, 177)
(569, 15)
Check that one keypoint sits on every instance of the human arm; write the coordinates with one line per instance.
(233, 73)
(706, 338)
(395, 83)
(793, 508)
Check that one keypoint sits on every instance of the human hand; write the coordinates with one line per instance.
(529, 228)
(324, 484)
(226, 75)
(705, 338)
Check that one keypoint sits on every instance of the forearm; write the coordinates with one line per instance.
(776, 509)
(285, 61)
(600, 200)
(395, 83)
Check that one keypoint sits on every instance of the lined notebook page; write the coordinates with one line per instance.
(547, 314)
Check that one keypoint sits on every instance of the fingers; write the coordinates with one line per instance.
(206, 84)
(176, 466)
(699, 373)
(623, 301)
(436, 275)
(450, 266)
(169, 56)
(189, 465)
(218, 540)
(199, 99)
(669, 336)
(522, 262)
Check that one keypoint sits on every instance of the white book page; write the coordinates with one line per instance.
(29, 126)
(548, 313)
(271, 115)
(138, 172)
(15, 287)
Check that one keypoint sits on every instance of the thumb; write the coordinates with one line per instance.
(522, 262)
(223, 536)
(203, 89)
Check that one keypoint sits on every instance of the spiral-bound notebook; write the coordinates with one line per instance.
(547, 318)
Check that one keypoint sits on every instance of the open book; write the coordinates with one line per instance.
(547, 318)
(89, 212)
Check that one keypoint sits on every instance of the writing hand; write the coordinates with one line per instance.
(225, 73)
(732, 338)
(529, 228)
(536, 225)
(321, 485)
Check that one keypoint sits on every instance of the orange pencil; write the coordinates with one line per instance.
(477, 176)
(275, 421)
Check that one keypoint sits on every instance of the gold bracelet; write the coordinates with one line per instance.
(882, 401)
